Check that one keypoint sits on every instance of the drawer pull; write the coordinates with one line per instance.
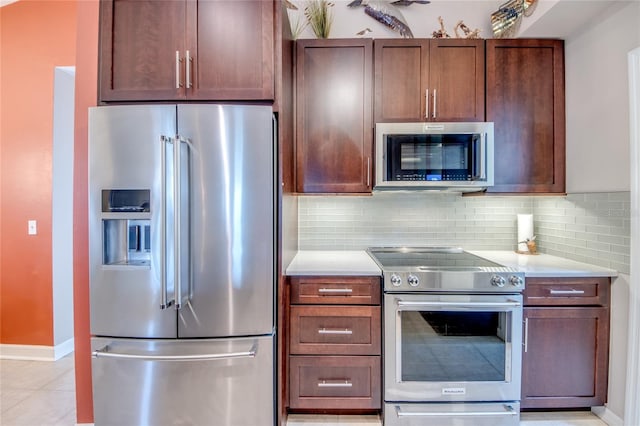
(335, 384)
(335, 290)
(334, 331)
(565, 292)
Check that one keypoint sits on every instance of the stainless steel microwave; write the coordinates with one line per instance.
(454, 157)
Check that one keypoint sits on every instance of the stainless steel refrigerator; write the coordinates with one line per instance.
(182, 264)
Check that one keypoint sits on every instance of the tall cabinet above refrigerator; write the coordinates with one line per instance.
(182, 264)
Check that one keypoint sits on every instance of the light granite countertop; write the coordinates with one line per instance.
(358, 262)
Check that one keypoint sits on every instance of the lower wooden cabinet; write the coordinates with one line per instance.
(566, 343)
(335, 382)
(334, 344)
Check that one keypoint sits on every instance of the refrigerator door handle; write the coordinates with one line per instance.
(179, 297)
(164, 303)
(106, 353)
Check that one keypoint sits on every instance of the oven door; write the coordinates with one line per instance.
(454, 347)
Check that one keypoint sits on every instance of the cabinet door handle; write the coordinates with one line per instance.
(335, 384)
(188, 59)
(335, 290)
(334, 331)
(178, 60)
(565, 292)
(435, 94)
(526, 334)
(426, 104)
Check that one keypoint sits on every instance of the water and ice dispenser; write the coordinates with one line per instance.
(126, 227)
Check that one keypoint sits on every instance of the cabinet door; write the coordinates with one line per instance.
(335, 383)
(565, 357)
(401, 79)
(456, 80)
(429, 80)
(334, 132)
(231, 44)
(138, 44)
(525, 100)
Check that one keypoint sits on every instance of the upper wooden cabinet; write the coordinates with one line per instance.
(525, 100)
(334, 130)
(429, 80)
(186, 50)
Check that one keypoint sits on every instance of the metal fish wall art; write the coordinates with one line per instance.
(388, 14)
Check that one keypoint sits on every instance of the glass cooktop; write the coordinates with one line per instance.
(427, 258)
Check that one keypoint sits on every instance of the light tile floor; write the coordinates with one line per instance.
(36, 393)
(41, 393)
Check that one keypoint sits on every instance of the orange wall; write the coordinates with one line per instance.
(86, 96)
(36, 36)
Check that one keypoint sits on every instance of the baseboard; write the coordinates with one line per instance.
(607, 416)
(36, 352)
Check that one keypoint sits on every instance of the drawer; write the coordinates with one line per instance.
(587, 291)
(335, 382)
(334, 330)
(335, 290)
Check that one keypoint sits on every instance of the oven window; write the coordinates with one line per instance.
(453, 346)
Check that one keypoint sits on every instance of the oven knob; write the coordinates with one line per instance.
(413, 280)
(497, 281)
(516, 281)
(396, 280)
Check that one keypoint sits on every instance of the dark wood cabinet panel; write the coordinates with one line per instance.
(565, 360)
(401, 79)
(334, 138)
(525, 100)
(342, 383)
(335, 290)
(138, 44)
(195, 50)
(346, 330)
(565, 357)
(429, 80)
(567, 291)
(334, 350)
(231, 60)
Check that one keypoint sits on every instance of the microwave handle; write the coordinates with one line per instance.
(479, 155)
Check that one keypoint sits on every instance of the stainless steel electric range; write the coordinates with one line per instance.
(452, 338)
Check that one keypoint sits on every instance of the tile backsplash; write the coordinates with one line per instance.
(592, 228)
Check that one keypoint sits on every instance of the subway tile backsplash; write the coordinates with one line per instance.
(592, 228)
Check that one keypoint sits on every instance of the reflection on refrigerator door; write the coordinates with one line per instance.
(189, 382)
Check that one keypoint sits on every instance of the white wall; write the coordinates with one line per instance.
(597, 103)
(422, 19)
(62, 208)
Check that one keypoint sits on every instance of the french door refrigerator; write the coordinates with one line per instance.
(182, 264)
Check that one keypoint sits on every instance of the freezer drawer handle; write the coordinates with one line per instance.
(104, 353)
(509, 411)
(335, 290)
(335, 384)
(334, 331)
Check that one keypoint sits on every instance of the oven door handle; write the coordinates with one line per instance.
(487, 305)
(508, 411)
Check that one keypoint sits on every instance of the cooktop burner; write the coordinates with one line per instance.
(424, 269)
(428, 258)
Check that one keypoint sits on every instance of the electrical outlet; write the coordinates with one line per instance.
(32, 227)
